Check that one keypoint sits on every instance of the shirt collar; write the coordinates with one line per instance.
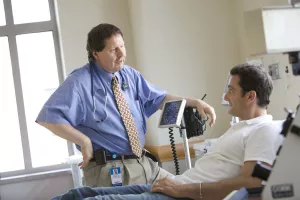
(263, 118)
(106, 76)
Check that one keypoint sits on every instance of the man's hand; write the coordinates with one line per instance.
(87, 153)
(168, 187)
(204, 108)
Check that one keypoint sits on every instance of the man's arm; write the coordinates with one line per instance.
(209, 191)
(201, 106)
(69, 133)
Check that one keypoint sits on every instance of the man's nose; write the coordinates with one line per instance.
(226, 97)
(121, 52)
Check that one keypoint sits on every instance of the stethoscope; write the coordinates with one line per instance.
(124, 86)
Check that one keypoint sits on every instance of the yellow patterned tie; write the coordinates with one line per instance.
(127, 118)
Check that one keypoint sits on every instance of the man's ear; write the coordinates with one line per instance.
(95, 55)
(251, 96)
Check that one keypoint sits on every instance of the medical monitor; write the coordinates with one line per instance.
(172, 113)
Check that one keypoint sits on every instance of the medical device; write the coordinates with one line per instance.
(172, 114)
(281, 35)
(189, 122)
(284, 179)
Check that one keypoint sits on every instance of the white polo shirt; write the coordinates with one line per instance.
(251, 140)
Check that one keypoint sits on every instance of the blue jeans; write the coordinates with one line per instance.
(131, 192)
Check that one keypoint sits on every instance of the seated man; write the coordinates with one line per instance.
(229, 162)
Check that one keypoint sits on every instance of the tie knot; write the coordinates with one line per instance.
(114, 79)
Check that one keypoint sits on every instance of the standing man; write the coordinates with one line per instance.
(101, 107)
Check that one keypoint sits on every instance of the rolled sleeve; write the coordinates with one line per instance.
(262, 145)
(151, 96)
(64, 106)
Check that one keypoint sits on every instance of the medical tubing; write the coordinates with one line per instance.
(173, 147)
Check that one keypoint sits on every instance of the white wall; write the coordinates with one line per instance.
(41, 189)
(77, 17)
(286, 89)
(186, 48)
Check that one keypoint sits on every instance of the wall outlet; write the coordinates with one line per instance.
(274, 71)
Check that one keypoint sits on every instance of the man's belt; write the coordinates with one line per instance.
(101, 157)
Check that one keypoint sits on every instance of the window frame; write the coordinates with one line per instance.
(11, 30)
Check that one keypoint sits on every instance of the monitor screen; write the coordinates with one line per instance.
(172, 113)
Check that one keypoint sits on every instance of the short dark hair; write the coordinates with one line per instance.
(97, 36)
(254, 77)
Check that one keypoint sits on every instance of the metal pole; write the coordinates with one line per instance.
(186, 145)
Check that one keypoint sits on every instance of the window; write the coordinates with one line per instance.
(10, 130)
(2, 17)
(30, 70)
(25, 12)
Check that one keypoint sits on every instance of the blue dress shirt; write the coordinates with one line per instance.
(72, 103)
